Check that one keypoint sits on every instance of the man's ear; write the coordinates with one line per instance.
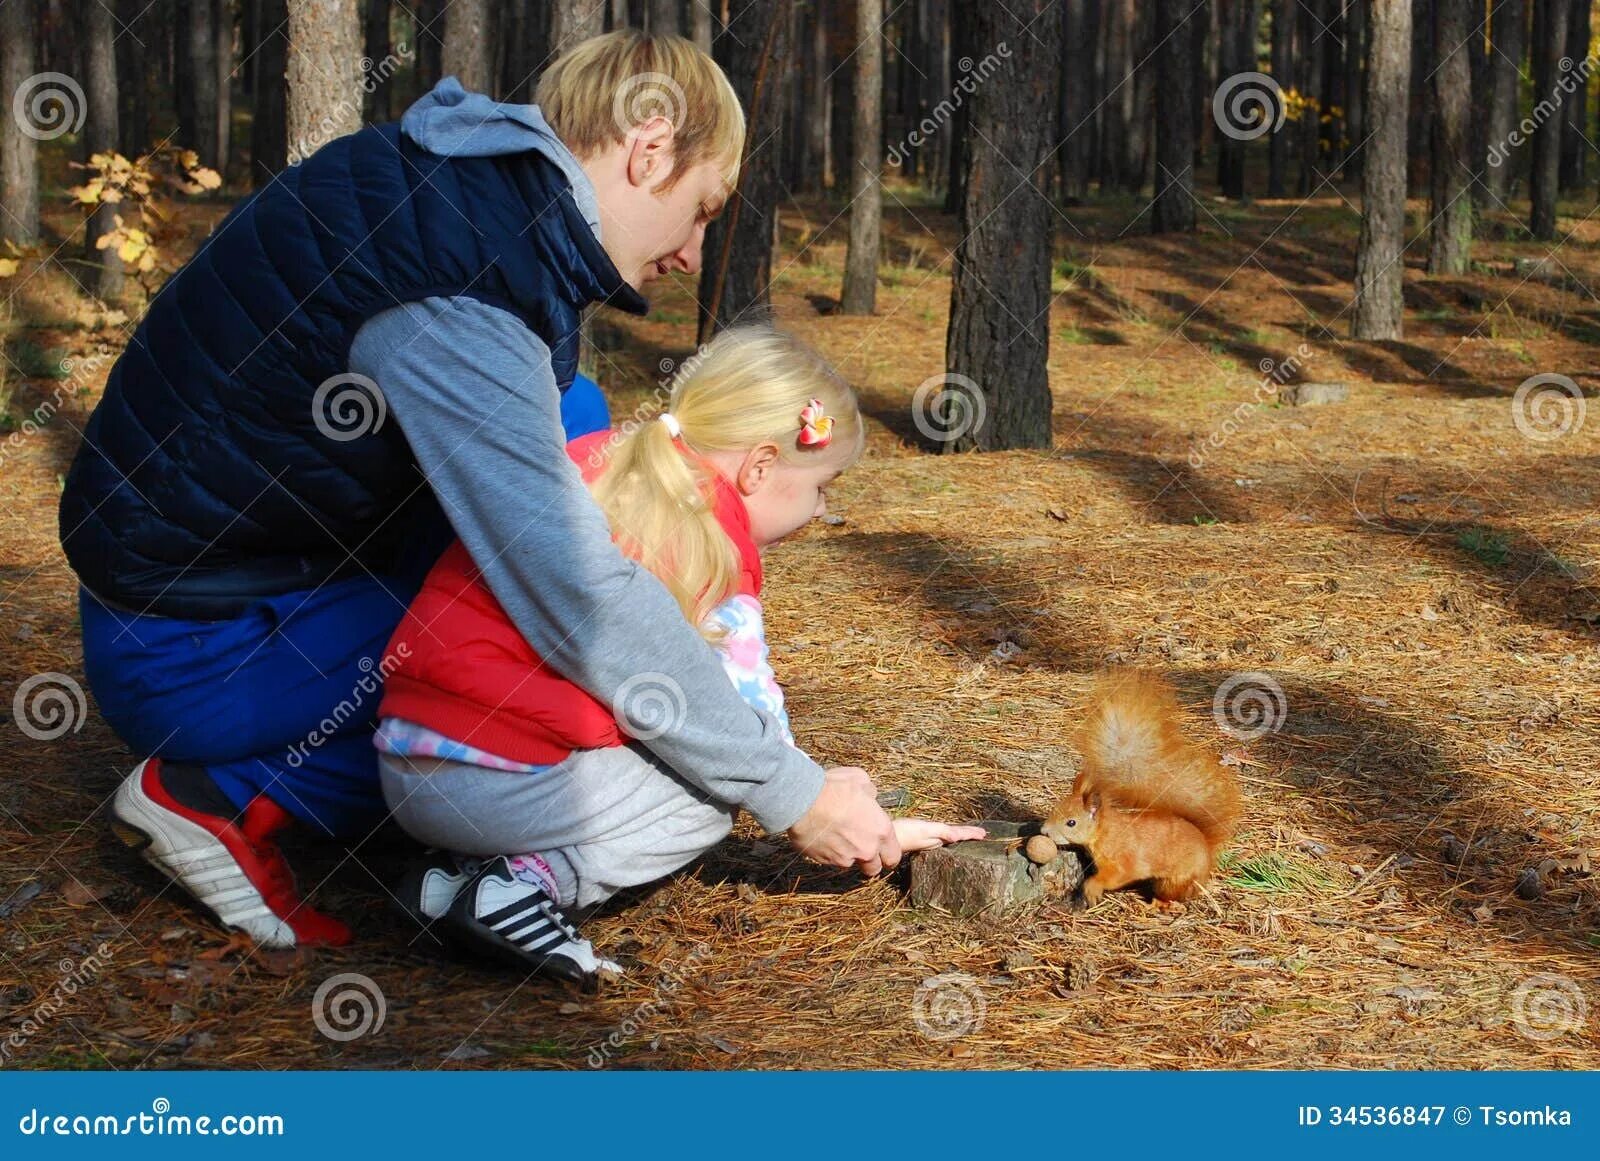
(757, 467)
(650, 152)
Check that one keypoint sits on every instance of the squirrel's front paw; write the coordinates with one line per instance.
(1090, 894)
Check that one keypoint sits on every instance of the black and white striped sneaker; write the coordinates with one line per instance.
(432, 882)
(519, 922)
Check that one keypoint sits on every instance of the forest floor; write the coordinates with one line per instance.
(1415, 574)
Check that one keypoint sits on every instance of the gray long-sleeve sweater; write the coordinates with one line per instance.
(474, 392)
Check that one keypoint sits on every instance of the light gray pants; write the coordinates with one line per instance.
(603, 819)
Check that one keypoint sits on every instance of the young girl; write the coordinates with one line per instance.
(539, 797)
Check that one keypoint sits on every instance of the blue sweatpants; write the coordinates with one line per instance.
(282, 699)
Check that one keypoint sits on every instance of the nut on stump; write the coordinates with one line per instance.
(1040, 850)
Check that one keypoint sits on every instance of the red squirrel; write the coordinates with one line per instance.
(1148, 804)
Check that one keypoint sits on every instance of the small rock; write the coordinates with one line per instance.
(830, 518)
(1040, 850)
(570, 1009)
(1314, 394)
(466, 1052)
(20, 898)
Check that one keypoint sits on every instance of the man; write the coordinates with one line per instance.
(367, 353)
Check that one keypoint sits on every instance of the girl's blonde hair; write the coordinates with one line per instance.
(745, 387)
(600, 88)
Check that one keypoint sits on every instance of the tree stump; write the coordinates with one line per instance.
(1314, 394)
(990, 875)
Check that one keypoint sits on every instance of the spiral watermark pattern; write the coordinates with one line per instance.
(1547, 407)
(1548, 1006)
(49, 705)
(1250, 705)
(1247, 106)
(948, 1006)
(645, 95)
(648, 705)
(948, 407)
(348, 406)
(348, 1006)
(48, 105)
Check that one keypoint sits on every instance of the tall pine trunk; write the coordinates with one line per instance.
(1283, 73)
(735, 281)
(1508, 35)
(269, 123)
(376, 49)
(999, 334)
(101, 136)
(19, 150)
(133, 113)
(1450, 208)
(1077, 89)
(574, 21)
(198, 114)
(467, 45)
(860, 292)
(664, 18)
(324, 73)
(1380, 267)
(1574, 144)
(1549, 98)
(1174, 207)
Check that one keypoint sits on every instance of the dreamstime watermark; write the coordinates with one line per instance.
(72, 977)
(1274, 374)
(948, 1006)
(1249, 705)
(649, 411)
(348, 406)
(75, 374)
(1548, 1006)
(47, 105)
(948, 407)
(671, 980)
(369, 685)
(348, 1006)
(971, 77)
(1572, 80)
(648, 705)
(1547, 407)
(1248, 105)
(338, 116)
(48, 706)
(643, 96)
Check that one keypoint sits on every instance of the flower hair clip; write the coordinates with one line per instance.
(816, 429)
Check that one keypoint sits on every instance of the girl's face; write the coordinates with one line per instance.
(782, 498)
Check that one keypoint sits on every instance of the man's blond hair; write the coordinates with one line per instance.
(601, 88)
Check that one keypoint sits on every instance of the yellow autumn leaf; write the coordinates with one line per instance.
(207, 178)
(148, 262)
(8, 267)
(130, 250)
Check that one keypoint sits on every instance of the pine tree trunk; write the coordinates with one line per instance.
(1117, 103)
(1077, 81)
(198, 115)
(133, 116)
(1380, 267)
(101, 136)
(467, 44)
(324, 73)
(429, 43)
(1450, 209)
(1508, 34)
(222, 19)
(999, 335)
(1419, 131)
(19, 150)
(1309, 73)
(1239, 20)
(664, 18)
(1174, 208)
(1574, 144)
(818, 93)
(1283, 73)
(735, 280)
(375, 48)
(1549, 43)
(860, 292)
(269, 123)
(700, 23)
(841, 38)
(962, 35)
(573, 22)
(1355, 86)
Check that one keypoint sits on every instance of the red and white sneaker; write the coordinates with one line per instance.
(227, 861)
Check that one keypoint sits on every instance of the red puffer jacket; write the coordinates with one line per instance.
(466, 672)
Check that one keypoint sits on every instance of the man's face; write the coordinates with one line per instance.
(681, 216)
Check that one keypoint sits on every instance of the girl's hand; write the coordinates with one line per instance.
(921, 834)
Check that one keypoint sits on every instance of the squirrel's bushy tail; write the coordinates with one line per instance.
(1135, 753)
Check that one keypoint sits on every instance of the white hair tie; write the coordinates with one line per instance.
(672, 423)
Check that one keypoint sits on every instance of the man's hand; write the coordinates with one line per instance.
(845, 826)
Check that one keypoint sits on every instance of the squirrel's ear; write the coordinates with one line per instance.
(1091, 800)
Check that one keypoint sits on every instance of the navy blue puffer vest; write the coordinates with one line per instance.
(207, 475)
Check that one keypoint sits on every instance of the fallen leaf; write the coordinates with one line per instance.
(76, 894)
